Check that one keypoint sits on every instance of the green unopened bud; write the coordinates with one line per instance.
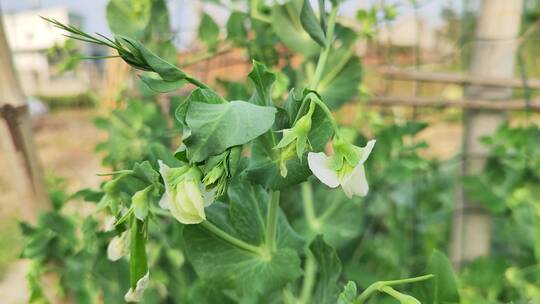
(215, 174)
(220, 168)
(295, 139)
(185, 195)
(233, 160)
(285, 155)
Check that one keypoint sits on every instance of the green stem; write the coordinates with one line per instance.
(230, 239)
(288, 297)
(205, 56)
(326, 51)
(326, 110)
(309, 210)
(271, 220)
(378, 286)
(310, 269)
(197, 82)
(336, 69)
(328, 212)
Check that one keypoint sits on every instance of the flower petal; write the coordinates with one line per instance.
(118, 247)
(182, 208)
(164, 201)
(356, 183)
(319, 164)
(366, 151)
(136, 295)
(195, 197)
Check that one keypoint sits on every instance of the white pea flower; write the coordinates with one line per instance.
(345, 167)
(108, 224)
(118, 246)
(185, 195)
(136, 295)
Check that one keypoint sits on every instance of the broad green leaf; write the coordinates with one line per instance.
(129, 17)
(349, 294)
(208, 31)
(229, 267)
(160, 85)
(247, 208)
(328, 270)
(287, 26)
(311, 24)
(341, 78)
(263, 81)
(216, 127)
(236, 29)
(197, 95)
(443, 288)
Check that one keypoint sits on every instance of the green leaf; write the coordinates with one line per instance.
(145, 172)
(287, 26)
(341, 78)
(208, 31)
(197, 95)
(443, 288)
(349, 294)
(160, 85)
(129, 17)
(229, 267)
(236, 29)
(482, 192)
(263, 80)
(339, 227)
(311, 24)
(248, 206)
(329, 270)
(216, 127)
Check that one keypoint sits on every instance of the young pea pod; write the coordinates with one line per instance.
(138, 261)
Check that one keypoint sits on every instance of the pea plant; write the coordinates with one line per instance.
(217, 219)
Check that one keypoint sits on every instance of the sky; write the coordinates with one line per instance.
(183, 16)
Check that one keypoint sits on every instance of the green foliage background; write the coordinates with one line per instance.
(399, 230)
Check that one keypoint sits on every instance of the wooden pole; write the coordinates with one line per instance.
(16, 139)
(454, 78)
(434, 102)
(494, 57)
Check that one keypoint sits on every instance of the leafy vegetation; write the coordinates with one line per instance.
(223, 195)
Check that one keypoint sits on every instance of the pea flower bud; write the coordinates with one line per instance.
(219, 169)
(295, 139)
(185, 195)
(118, 247)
